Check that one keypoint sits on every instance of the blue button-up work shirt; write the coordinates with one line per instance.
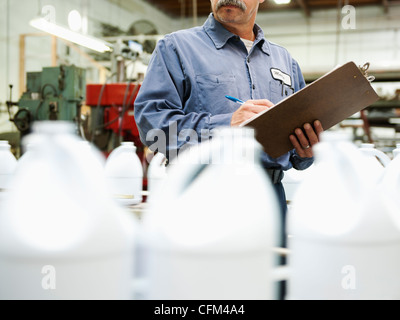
(192, 70)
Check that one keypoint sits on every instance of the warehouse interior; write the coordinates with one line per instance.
(47, 77)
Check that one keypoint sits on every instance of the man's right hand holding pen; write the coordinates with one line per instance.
(302, 139)
(249, 109)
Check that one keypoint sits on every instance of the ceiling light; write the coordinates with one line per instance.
(282, 1)
(72, 36)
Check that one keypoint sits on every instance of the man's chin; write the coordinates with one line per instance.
(227, 18)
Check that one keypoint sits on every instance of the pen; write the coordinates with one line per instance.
(234, 99)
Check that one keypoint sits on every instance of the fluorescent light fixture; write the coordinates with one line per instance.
(72, 36)
(282, 1)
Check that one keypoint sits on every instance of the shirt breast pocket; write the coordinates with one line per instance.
(279, 91)
(212, 90)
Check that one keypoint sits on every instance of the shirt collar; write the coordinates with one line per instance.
(220, 36)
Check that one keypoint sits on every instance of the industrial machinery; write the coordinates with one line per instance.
(60, 93)
(111, 103)
(55, 93)
(112, 116)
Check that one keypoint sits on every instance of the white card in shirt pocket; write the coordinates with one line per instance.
(281, 76)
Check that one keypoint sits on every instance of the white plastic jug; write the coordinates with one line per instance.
(156, 172)
(124, 174)
(396, 151)
(27, 154)
(381, 158)
(8, 164)
(209, 232)
(61, 234)
(389, 186)
(345, 241)
(100, 158)
(292, 180)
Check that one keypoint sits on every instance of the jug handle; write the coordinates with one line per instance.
(390, 180)
(384, 159)
(159, 159)
(188, 170)
(281, 273)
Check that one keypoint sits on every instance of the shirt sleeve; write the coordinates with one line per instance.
(299, 83)
(160, 105)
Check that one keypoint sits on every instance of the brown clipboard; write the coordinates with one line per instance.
(330, 99)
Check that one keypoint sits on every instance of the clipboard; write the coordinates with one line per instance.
(330, 99)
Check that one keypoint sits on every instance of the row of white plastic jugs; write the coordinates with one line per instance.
(195, 241)
(211, 229)
(122, 168)
(62, 235)
(124, 171)
(344, 224)
(293, 178)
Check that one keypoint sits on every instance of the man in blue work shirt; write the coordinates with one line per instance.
(191, 72)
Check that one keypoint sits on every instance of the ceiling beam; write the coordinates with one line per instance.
(393, 3)
(194, 6)
(385, 5)
(304, 7)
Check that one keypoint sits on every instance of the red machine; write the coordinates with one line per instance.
(113, 98)
(112, 112)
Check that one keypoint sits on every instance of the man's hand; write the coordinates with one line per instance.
(303, 141)
(249, 109)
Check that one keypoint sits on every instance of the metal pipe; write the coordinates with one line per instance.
(194, 12)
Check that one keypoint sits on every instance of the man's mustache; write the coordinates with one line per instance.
(236, 3)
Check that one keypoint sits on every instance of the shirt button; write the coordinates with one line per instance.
(248, 60)
(254, 87)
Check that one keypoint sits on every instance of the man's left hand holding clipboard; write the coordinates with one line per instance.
(302, 140)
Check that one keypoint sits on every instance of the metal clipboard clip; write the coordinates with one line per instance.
(364, 69)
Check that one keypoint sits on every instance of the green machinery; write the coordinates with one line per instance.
(55, 93)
